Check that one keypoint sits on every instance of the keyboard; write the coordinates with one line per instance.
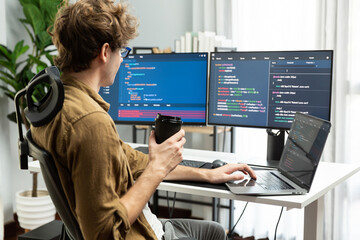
(192, 163)
(270, 181)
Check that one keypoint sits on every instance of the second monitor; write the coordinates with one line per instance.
(266, 89)
(170, 84)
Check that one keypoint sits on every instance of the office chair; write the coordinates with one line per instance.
(39, 114)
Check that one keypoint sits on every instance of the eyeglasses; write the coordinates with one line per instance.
(124, 52)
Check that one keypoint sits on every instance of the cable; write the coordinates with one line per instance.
(168, 204)
(232, 230)
(282, 208)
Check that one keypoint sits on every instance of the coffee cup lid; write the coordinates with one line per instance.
(168, 118)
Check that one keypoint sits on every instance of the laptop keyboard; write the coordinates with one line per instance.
(269, 181)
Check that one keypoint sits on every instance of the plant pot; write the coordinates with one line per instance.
(34, 212)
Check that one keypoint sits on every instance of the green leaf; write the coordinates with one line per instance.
(12, 117)
(50, 50)
(8, 65)
(24, 22)
(34, 16)
(19, 63)
(5, 74)
(11, 82)
(8, 92)
(44, 40)
(19, 45)
(5, 52)
(29, 74)
(25, 75)
(38, 61)
(23, 50)
(40, 91)
(50, 58)
(11, 95)
(39, 68)
(18, 51)
(35, 2)
(49, 10)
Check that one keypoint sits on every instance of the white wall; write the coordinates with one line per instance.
(3, 102)
(161, 21)
(4, 152)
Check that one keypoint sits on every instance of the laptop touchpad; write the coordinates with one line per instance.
(247, 182)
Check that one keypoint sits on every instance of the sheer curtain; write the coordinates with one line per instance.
(212, 15)
(342, 31)
(307, 25)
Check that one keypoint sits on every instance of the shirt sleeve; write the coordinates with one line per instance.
(137, 160)
(100, 175)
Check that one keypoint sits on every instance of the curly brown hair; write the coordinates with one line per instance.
(82, 28)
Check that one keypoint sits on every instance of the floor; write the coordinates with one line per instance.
(12, 231)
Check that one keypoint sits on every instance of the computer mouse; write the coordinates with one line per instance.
(217, 163)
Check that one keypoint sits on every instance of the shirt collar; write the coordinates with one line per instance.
(69, 80)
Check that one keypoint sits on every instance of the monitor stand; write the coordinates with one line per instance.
(275, 145)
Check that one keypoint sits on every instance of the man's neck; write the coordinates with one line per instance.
(90, 77)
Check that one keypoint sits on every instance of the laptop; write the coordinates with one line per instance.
(298, 163)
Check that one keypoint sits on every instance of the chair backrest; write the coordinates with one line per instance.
(54, 187)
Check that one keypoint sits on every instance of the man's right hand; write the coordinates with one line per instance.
(167, 155)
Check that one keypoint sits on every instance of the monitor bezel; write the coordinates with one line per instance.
(149, 123)
(274, 51)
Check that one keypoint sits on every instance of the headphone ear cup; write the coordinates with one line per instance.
(43, 111)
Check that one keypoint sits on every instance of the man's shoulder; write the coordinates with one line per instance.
(78, 105)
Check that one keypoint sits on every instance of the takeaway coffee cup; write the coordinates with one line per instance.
(166, 126)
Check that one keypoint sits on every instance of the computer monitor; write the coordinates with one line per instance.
(170, 84)
(266, 89)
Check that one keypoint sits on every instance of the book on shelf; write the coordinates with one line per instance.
(188, 42)
(202, 41)
(177, 46)
(195, 44)
(182, 44)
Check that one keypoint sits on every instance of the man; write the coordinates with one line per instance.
(97, 169)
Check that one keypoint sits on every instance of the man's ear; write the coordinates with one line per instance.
(104, 52)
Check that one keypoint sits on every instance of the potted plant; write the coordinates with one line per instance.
(18, 66)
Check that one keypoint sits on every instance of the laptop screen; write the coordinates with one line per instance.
(303, 148)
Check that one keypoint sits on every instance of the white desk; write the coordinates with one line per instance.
(327, 177)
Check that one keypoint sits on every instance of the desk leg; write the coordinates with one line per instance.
(215, 205)
(134, 133)
(231, 214)
(232, 141)
(313, 220)
(215, 139)
(156, 202)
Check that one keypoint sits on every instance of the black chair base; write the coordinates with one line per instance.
(49, 231)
